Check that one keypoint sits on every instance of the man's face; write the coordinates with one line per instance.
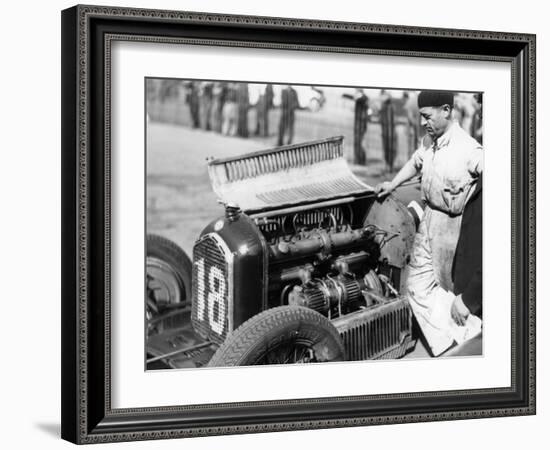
(435, 119)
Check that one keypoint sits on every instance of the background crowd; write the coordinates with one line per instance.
(381, 126)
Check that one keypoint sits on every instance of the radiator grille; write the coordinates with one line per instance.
(212, 289)
(380, 332)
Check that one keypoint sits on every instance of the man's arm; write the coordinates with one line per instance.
(408, 171)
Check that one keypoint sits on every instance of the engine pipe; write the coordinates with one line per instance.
(319, 242)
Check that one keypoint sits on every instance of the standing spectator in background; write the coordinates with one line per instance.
(255, 93)
(360, 121)
(192, 99)
(477, 126)
(413, 121)
(465, 109)
(219, 91)
(264, 104)
(168, 89)
(153, 89)
(387, 122)
(289, 104)
(230, 112)
(206, 88)
(242, 109)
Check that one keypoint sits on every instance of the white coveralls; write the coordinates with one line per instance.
(449, 168)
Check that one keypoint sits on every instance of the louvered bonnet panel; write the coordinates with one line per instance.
(285, 176)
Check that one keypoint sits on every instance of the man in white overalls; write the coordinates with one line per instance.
(449, 161)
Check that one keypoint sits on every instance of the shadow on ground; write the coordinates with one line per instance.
(52, 429)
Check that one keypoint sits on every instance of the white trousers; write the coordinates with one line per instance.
(429, 281)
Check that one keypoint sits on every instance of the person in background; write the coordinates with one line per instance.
(387, 122)
(230, 112)
(360, 121)
(450, 162)
(192, 99)
(219, 92)
(264, 104)
(413, 121)
(243, 104)
(478, 118)
(289, 104)
(205, 96)
(464, 110)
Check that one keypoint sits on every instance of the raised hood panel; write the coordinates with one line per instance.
(285, 176)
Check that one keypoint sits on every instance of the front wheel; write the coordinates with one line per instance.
(282, 335)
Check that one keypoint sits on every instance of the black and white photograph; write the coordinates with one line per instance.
(293, 223)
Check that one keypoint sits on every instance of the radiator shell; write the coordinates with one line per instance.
(237, 249)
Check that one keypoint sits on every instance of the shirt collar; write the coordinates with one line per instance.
(445, 138)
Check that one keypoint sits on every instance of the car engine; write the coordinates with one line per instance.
(300, 229)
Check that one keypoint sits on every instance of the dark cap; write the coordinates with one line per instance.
(435, 98)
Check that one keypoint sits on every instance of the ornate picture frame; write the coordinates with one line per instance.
(88, 33)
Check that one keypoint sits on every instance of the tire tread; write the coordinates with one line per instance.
(242, 341)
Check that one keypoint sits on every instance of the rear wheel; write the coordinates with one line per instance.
(168, 282)
(282, 335)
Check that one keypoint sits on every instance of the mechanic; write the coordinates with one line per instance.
(449, 162)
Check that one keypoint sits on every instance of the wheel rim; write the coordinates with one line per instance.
(295, 351)
(164, 283)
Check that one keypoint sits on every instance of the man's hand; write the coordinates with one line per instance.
(384, 189)
(459, 311)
